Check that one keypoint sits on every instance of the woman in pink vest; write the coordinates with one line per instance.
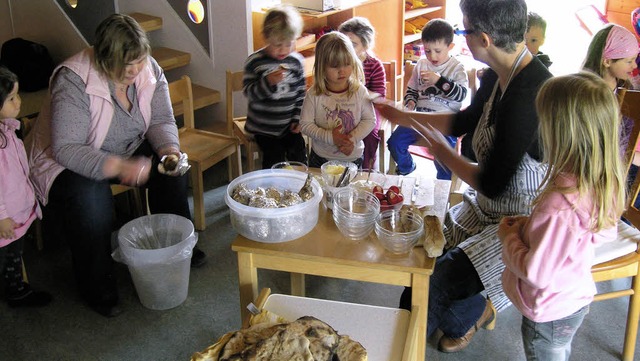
(109, 121)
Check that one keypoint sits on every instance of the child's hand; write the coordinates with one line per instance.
(294, 128)
(509, 225)
(411, 105)
(7, 225)
(429, 78)
(340, 139)
(276, 77)
(346, 149)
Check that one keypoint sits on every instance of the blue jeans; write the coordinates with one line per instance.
(85, 208)
(551, 341)
(398, 145)
(455, 301)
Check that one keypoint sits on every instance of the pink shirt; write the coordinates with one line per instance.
(17, 197)
(548, 266)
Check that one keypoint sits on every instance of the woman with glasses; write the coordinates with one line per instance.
(466, 289)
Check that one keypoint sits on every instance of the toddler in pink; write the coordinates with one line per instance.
(18, 204)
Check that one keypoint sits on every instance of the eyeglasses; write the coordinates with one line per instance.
(463, 32)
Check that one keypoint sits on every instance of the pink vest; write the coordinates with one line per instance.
(44, 168)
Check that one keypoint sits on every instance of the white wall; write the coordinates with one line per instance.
(230, 38)
(44, 22)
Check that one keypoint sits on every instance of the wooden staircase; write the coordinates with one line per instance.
(171, 59)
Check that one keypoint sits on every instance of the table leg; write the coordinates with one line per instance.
(297, 284)
(248, 284)
(420, 298)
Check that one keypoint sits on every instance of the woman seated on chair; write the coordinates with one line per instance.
(504, 125)
(109, 120)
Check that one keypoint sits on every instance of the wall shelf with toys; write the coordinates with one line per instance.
(416, 14)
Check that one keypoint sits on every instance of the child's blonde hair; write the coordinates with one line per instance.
(282, 22)
(334, 49)
(579, 128)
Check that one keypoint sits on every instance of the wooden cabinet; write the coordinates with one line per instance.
(619, 12)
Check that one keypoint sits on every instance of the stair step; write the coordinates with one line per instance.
(148, 22)
(170, 58)
(202, 97)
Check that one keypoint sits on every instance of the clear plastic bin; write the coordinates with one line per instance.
(158, 248)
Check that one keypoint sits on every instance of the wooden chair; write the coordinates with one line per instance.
(204, 148)
(235, 125)
(387, 127)
(621, 259)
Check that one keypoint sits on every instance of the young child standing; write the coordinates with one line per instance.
(548, 255)
(438, 83)
(18, 204)
(362, 35)
(337, 113)
(274, 84)
(534, 37)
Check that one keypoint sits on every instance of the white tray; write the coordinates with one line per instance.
(381, 330)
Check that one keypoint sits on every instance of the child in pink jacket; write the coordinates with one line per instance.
(18, 204)
(548, 255)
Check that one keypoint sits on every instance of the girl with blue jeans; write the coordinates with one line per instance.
(548, 255)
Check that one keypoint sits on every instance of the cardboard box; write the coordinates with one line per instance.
(317, 5)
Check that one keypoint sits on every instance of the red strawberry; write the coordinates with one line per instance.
(401, 197)
(393, 198)
(380, 196)
(377, 189)
(395, 189)
(384, 202)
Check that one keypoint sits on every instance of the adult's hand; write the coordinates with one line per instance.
(135, 171)
(431, 138)
(7, 226)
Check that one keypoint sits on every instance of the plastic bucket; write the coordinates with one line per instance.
(157, 249)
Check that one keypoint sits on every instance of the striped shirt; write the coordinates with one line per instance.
(374, 75)
(273, 108)
(446, 95)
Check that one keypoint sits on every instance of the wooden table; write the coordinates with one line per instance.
(326, 252)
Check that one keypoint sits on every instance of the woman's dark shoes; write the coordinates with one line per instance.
(30, 298)
(198, 258)
(487, 321)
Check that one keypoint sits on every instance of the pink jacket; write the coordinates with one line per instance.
(44, 168)
(548, 265)
(17, 197)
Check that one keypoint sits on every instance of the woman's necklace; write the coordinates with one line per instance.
(121, 87)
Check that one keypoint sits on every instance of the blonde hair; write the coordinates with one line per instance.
(334, 49)
(282, 22)
(119, 40)
(579, 128)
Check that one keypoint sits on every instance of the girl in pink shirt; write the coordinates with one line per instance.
(548, 255)
(18, 204)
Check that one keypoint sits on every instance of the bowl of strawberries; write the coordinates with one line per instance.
(392, 198)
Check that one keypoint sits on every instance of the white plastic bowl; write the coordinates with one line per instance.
(274, 225)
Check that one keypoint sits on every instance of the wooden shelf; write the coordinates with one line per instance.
(148, 22)
(170, 58)
(411, 38)
(410, 14)
(202, 97)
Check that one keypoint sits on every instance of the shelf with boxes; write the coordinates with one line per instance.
(416, 15)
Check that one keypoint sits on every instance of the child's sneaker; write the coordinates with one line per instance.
(29, 298)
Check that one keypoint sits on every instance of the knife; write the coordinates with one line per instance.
(414, 193)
